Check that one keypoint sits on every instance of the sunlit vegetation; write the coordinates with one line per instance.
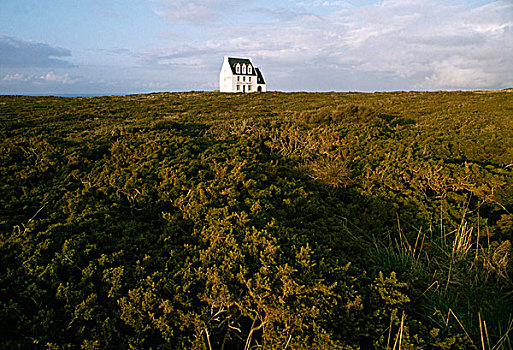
(264, 221)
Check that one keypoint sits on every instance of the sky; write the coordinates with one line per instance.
(137, 46)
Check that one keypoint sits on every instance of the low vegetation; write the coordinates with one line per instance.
(264, 221)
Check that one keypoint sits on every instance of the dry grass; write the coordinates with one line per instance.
(462, 242)
(335, 173)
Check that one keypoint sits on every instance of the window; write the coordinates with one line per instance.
(243, 69)
(238, 87)
(249, 78)
(237, 69)
(238, 78)
(243, 78)
(249, 70)
(249, 87)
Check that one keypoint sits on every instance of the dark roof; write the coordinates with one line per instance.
(233, 62)
(260, 77)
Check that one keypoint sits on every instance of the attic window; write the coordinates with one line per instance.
(237, 69)
(243, 69)
(249, 69)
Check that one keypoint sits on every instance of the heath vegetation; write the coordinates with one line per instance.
(203, 220)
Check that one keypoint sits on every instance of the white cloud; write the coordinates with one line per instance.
(155, 85)
(392, 44)
(46, 78)
(455, 73)
(16, 77)
(194, 11)
(453, 46)
(54, 78)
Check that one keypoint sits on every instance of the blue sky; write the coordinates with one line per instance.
(132, 46)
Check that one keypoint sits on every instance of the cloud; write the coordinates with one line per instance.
(20, 53)
(179, 55)
(39, 79)
(283, 14)
(54, 78)
(450, 45)
(196, 11)
(155, 85)
(334, 45)
(16, 77)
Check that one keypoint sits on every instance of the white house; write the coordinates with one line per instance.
(239, 75)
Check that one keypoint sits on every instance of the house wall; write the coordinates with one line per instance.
(226, 78)
(244, 80)
(228, 81)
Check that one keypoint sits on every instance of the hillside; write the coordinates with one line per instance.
(279, 220)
